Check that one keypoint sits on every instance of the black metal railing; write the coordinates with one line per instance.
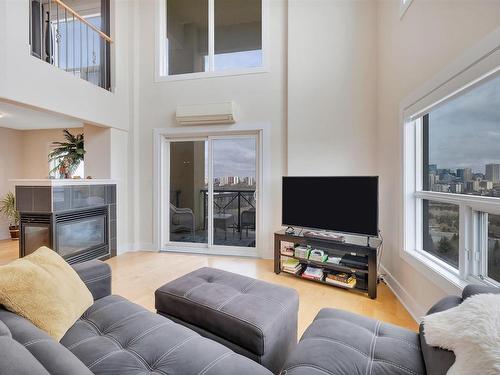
(229, 201)
(78, 44)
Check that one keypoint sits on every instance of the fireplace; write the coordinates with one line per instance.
(78, 222)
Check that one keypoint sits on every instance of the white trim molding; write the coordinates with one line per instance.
(475, 66)
(410, 304)
(263, 218)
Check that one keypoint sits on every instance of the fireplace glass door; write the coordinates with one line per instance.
(35, 236)
(76, 236)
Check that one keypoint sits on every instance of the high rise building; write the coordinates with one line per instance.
(472, 186)
(465, 174)
(485, 184)
(493, 173)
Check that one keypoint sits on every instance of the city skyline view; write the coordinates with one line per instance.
(457, 127)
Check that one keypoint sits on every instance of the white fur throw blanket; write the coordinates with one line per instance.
(472, 331)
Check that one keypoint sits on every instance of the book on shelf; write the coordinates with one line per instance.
(318, 255)
(313, 273)
(333, 260)
(302, 252)
(290, 265)
(340, 278)
(349, 284)
(287, 248)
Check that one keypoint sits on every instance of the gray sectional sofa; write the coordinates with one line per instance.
(339, 342)
(115, 336)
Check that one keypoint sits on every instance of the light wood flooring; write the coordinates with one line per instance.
(137, 275)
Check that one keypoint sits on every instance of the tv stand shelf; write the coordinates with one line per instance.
(336, 247)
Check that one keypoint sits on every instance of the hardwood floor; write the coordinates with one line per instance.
(137, 275)
(9, 250)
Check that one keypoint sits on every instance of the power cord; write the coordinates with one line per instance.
(379, 260)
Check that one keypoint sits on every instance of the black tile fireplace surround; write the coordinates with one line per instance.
(76, 221)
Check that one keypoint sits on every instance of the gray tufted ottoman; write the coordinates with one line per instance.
(251, 317)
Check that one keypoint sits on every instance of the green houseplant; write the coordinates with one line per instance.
(67, 155)
(8, 208)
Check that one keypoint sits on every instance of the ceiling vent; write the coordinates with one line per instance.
(205, 114)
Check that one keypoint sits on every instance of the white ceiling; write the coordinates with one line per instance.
(23, 118)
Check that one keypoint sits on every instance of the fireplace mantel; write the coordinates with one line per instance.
(62, 182)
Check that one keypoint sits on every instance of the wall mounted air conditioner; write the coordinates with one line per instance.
(205, 114)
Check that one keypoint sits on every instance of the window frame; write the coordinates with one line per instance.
(477, 65)
(161, 52)
(403, 7)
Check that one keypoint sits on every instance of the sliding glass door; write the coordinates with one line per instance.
(212, 194)
(233, 181)
(188, 179)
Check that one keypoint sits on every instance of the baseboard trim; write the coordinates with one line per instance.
(410, 304)
(130, 248)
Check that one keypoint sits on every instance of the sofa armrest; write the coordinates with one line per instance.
(473, 289)
(97, 277)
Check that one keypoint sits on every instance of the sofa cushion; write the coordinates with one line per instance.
(43, 288)
(116, 336)
(16, 360)
(237, 308)
(96, 275)
(54, 357)
(340, 342)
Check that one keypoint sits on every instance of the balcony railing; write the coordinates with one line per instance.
(78, 44)
(234, 201)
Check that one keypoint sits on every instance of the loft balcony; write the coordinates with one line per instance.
(74, 39)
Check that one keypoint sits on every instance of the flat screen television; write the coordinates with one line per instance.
(339, 204)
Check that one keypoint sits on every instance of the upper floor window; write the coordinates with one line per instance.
(208, 37)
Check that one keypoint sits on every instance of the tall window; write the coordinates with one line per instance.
(200, 36)
(457, 196)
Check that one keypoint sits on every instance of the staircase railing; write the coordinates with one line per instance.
(78, 44)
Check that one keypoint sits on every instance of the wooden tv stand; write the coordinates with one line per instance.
(367, 278)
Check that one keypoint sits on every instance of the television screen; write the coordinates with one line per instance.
(340, 204)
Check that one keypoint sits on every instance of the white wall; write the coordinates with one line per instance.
(10, 168)
(28, 80)
(429, 37)
(259, 97)
(97, 155)
(332, 66)
(36, 145)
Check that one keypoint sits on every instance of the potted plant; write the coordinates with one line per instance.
(67, 155)
(8, 208)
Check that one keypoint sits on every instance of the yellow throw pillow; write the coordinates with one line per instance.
(44, 289)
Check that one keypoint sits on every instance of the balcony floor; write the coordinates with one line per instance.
(229, 238)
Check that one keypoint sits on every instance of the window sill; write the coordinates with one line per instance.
(202, 75)
(442, 277)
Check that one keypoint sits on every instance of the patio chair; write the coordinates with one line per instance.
(181, 219)
(247, 220)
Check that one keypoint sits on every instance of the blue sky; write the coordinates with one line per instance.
(465, 132)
